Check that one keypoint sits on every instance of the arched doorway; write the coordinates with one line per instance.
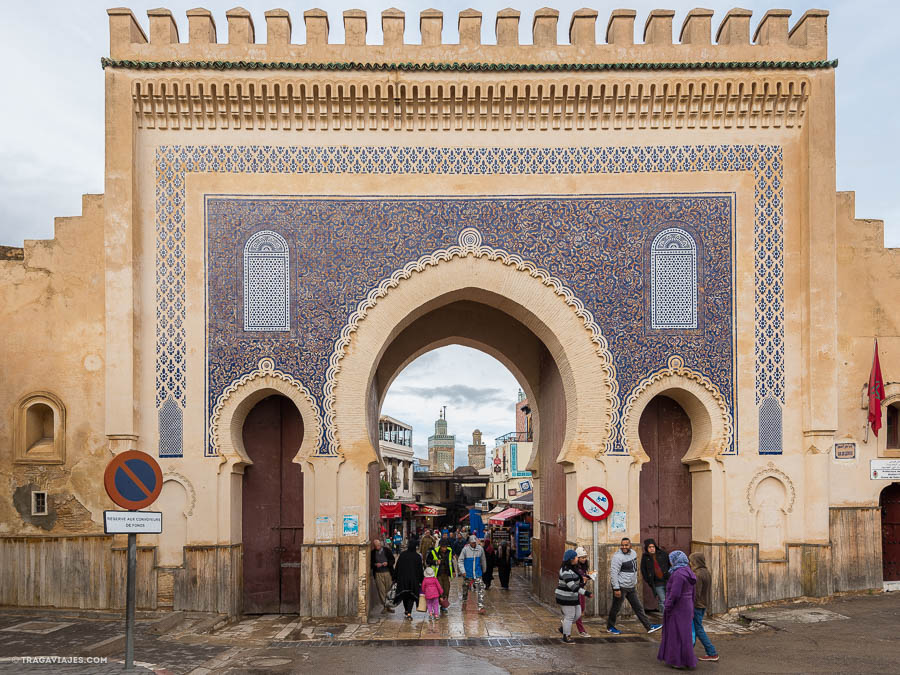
(890, 531)
(665, 484)
(272, 508)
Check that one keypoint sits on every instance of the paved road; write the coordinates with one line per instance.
(847, 635)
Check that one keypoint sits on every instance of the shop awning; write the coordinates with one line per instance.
(505, 515)
(390, 509)
(411, 506)
(428, 510)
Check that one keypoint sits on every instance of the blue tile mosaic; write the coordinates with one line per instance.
(596, 245)
(173, 162)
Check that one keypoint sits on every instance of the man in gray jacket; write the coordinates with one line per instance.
(623, 577)
(472, 563)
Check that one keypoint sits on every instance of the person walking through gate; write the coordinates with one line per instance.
(701, 603)
(426, 544)
(581, 567)
(677, 646)
(623, 577)
(504, 565)
(569, 591)
(382, 562)
(655, 570)
(440, 559)
(432, 590)
(491, 558)
(472, 564)
(409, 576)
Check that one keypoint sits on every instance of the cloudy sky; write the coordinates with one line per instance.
(51, 142)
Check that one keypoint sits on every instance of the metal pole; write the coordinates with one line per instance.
(129, 602)
(596, 553)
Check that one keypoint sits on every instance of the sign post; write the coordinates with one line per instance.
(595, 504)
(133, 480)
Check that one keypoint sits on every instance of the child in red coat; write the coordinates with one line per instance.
(432, 590)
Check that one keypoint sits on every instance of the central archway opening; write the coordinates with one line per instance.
(493, 356)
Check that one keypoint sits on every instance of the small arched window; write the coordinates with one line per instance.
(40, 429)
(267, 286)
(673, 280)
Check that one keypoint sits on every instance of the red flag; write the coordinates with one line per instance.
(876, 393)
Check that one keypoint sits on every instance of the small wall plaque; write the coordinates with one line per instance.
(845, 450)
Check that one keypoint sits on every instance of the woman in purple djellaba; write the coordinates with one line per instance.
(677, 646)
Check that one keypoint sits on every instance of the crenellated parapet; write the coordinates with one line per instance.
(773, 41)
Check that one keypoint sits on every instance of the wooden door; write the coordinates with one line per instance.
(890, 532)
(272, 505)
(665, 431)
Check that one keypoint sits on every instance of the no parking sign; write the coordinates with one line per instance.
(595, 503)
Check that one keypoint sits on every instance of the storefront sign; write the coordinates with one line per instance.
(884, 469)
(845, 450)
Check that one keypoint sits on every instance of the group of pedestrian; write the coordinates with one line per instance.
(429, 564)
(680, 584)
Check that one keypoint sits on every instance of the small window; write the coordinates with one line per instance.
(38, 503)
(40, 429)
(673, 280)
(266, 283)
(893, 433)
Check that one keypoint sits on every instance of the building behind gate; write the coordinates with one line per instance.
(646, 234)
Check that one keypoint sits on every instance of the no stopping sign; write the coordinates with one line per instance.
(595, 503)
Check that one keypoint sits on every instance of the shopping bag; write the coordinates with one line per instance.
(423, 603)
(445, 602)
(392, 594)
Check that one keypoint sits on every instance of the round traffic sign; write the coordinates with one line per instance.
(595, 503)
(496, 460)
(133, 480)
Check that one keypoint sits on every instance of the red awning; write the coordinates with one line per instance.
(411, 506)
(428, 510)
(390, 509)
(504, 515)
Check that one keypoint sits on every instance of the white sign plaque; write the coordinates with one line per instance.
(884, 469)
(132, 522)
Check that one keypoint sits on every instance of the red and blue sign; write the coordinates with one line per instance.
(595, 503)
(133, 480)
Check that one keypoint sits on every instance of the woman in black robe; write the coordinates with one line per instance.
(409, 576)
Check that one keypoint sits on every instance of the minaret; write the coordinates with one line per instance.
(441, 446)
(477, 451)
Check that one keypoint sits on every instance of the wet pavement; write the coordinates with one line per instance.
(515, 635)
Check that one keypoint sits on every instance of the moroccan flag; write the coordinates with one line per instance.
(876, 393)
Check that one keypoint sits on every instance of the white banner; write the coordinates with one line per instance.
(132, 522)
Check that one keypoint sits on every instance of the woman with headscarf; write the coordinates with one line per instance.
(491, 556)
(677, 645)
(504, 565)
(409, 574)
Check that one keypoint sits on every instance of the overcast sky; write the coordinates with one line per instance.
(51, 142)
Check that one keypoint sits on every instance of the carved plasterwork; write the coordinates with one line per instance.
(378, 102)
(188, 487)
(674, 378)
(771, 470)
(265, 377)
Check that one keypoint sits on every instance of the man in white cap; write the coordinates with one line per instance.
(471, 563)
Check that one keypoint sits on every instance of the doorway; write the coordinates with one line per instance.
(665, 484)
(890, 532)
(272, 508)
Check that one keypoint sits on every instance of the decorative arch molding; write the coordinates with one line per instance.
(239, 397)
(712, 424)
(470, 245)
(183, 480)
(771, 471)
